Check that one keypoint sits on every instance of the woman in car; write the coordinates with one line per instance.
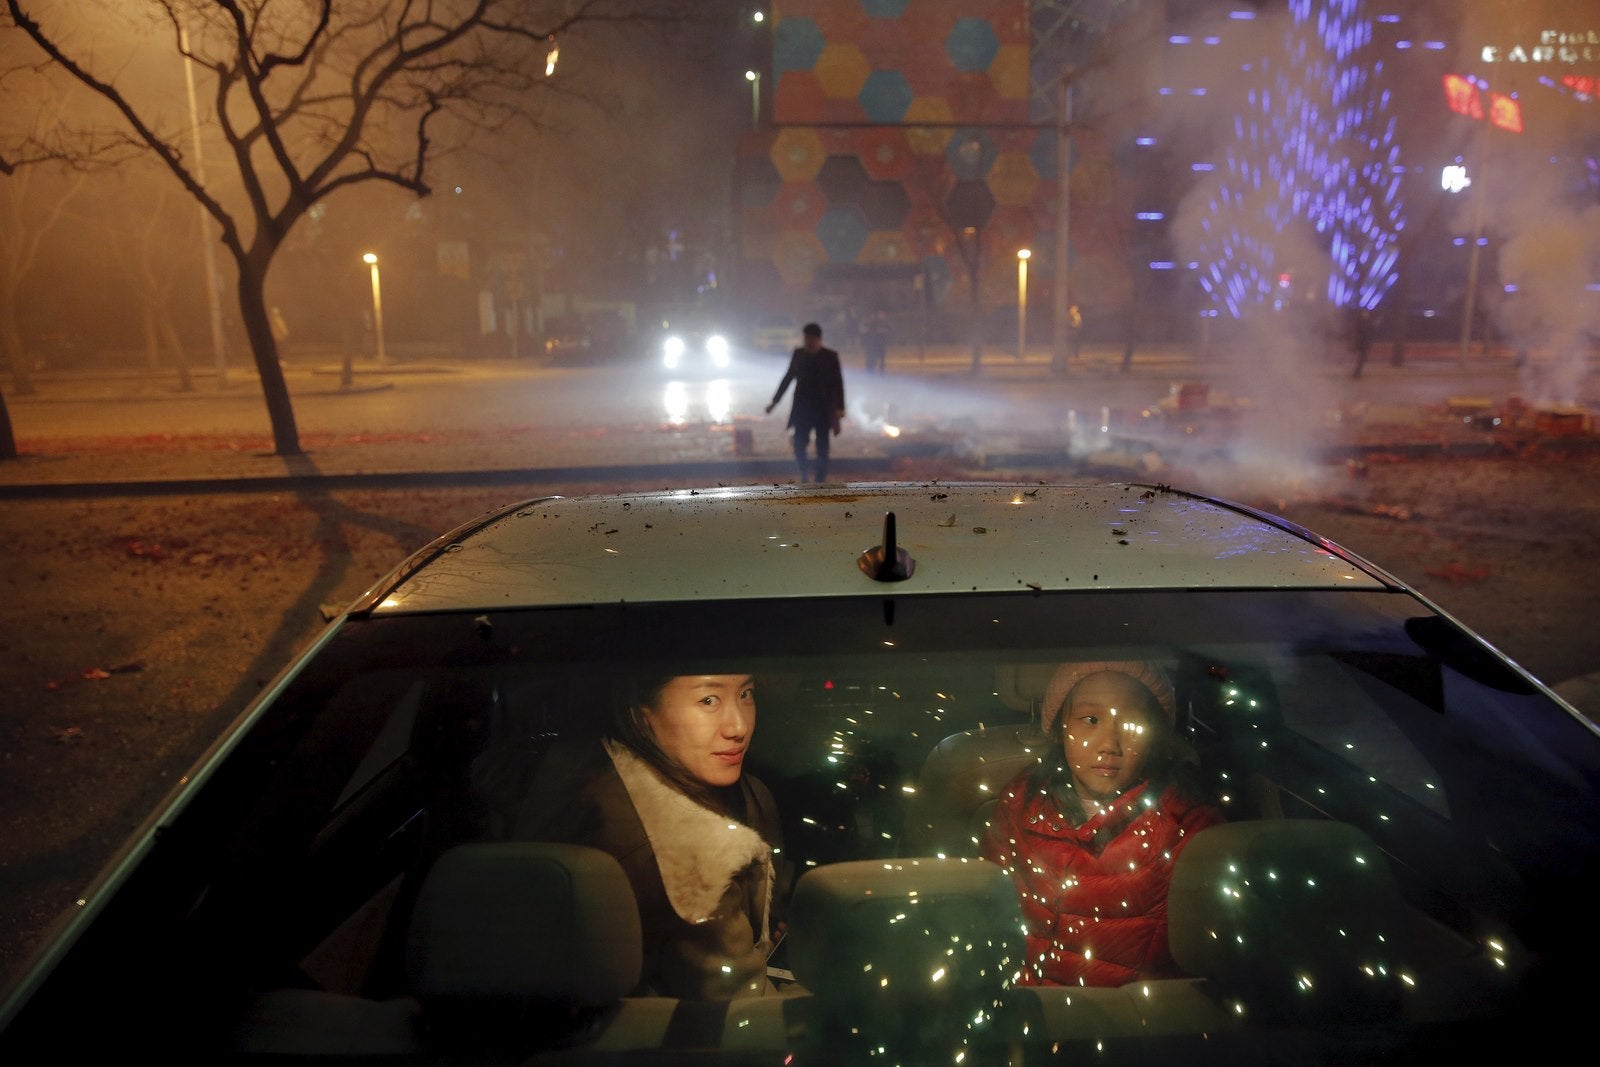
(1091, 834)
(663, 789)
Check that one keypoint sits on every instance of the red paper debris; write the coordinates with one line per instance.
(1455, 573)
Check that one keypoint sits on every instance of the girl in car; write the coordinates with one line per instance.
(664, 791)
(1090, 835)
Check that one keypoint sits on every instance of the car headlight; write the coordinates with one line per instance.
(672, 352)
(717, 346)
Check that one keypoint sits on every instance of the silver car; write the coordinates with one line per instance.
(1404, 823)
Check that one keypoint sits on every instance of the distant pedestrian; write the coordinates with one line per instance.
(280, 331)
(818, 406)
(875, 341)
(1074, 331)
(1361, 335)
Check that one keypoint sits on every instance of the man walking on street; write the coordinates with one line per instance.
(818, 399)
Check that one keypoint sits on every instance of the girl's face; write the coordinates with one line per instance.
(1108, 729)
(704, 723)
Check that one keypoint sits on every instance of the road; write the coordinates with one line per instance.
(485, 395)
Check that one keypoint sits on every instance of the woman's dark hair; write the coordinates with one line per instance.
(1166, 765)
(625, 723)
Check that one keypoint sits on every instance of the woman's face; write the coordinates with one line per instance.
(1108, 729)
(704, 723)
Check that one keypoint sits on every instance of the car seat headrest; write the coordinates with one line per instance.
(525, 921)
(1296, 918)
(906, 949)
(962, 780)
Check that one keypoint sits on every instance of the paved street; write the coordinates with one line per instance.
(487, 421)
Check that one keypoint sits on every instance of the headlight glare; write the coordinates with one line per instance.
(717, 346)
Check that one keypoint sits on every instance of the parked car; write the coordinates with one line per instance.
(585, 340)
(1408, 826)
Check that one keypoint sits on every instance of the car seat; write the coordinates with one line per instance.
(906, 956)
(508, 944)
(1292, 919)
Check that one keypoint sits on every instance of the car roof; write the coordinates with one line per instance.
(784, 542)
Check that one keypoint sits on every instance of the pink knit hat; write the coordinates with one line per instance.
(1068, 675)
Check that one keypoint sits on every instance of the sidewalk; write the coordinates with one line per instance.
(744, 451)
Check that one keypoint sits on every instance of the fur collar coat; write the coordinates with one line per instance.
(704, 883)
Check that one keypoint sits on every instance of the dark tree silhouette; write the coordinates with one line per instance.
(312, 98)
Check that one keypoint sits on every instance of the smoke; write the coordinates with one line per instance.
(1285, 336)
(1536, 204)
(1550, 253)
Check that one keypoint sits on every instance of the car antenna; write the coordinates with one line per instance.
(887, 562)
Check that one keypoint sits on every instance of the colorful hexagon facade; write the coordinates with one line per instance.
(886, 153)
(970, 153)
(966, 53)
(842, 231)
(1009, 72)
(799, 205)
(843, 179)
(841, 71)
(897, 124)
(885, 96)
(797, 255)
(798, 154)
(796, 44)
(1013, 180)
(972, 44)
(932, 139)
(886, 205)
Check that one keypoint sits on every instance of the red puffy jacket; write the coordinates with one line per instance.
(1094, 896)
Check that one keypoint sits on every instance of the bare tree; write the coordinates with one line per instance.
(138, 241)
(42, 168)
(315, 97)
(27, 216)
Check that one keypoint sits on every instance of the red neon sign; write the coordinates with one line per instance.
(1462, 96)
(1505, 113)
(1465, 98)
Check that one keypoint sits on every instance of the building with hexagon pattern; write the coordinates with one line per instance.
(900, 155)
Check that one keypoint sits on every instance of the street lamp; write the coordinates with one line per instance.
(754, 78)
(219, 347)
(1023, 255)
(371, 259)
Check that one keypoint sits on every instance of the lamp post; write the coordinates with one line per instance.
(1062, 337)
(1022, 302)
(219, 347)
(371, 259)
(1478, 187)
(754, 78)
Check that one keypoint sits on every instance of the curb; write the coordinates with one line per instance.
(695, 473)
(245, 390)
(711, 471)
